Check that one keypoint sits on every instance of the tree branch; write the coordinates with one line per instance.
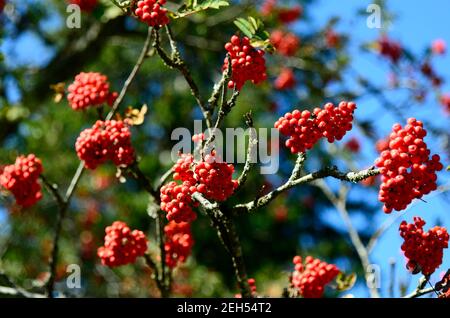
(176, 62)
(293, 181)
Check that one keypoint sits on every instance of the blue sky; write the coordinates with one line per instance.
(417, 24)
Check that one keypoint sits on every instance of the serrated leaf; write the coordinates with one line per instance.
(245, 27)
(194, 6)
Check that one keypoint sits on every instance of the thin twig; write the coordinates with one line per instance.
(339, 203)
(227, 233)
(323, 173)
(251, 152)
(176, 62)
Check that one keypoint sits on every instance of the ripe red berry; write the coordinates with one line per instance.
(122, 245)
(389, 48)
(176, 200)
(438, 47)
(424, 250)
(90, 90)
(211, 177)
(285, 80)
(106, 140)
(215, 178)
(289, 15)
(178, 243)
(247, 62)
(310, 278)
(85, 5)
(21, 178)
(407, 171)
(305, 129)
(152, 12)
(353, 145)
(267, 7)
(285, 43)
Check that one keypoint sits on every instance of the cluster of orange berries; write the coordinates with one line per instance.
(305, 128)
(247, 62)
(106, 140)
(424, 250)
(90, 90)
(310, 278)
(122, 245)
(22, 179)
(178, 242)
(407, 172)
(152, 12)
(211, 177)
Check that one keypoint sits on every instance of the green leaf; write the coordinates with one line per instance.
(345, 282)
(245, 27)
(193, 6)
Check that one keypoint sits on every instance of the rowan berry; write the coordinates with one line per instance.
(152, 12)
(285, 43)
(215, 178)
(22, 179)
(247, 62)
(407, 171)
(311, 277)
(178, 243)
(389, 48)
(122, 245)
(438, 47)
(90, 90)
(424, 250)
(306, 128)
(106, 140)
(289, 15)
(85, 5)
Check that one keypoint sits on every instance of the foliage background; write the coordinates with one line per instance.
(38, 51)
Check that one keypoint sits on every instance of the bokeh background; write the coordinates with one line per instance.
(39, 50)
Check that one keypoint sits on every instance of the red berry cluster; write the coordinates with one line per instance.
(247, 62)
(285, 80)
(178, 242)
(85, 5)
(289, 15)
(152, 12)
(424, 250)
(106, 140)
(306, 128)
(310, 278)
(122, 245)
(176, 200)
(210, 177)
(90, 89)
(21, 178)
(285, 43)
(389, 48)
(407, 172)
(215, 178)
